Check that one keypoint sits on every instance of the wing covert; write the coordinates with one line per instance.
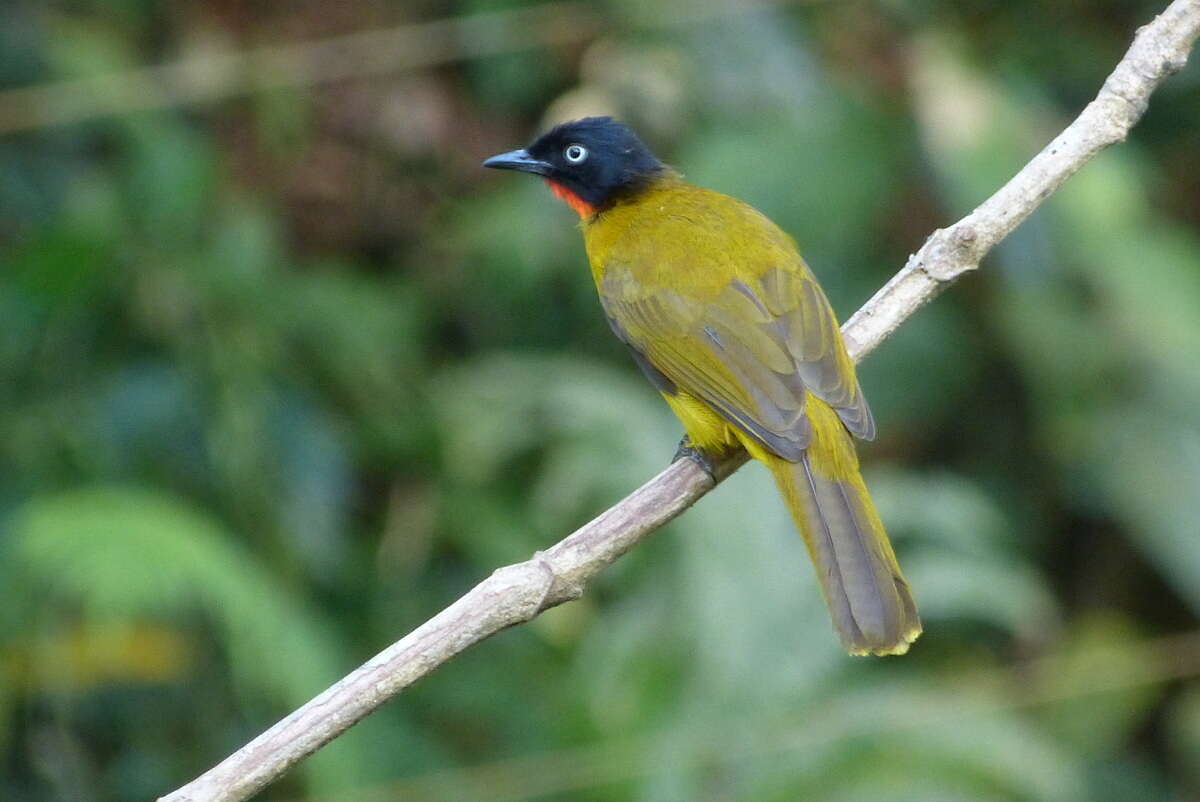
(753, 351)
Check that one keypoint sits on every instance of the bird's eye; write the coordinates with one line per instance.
(575, 154)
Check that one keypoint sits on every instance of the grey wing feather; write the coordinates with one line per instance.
(753, 353)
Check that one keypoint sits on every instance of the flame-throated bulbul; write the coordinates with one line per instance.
(729, 324)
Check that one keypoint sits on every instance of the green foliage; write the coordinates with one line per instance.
(131, 556)
(282, 375)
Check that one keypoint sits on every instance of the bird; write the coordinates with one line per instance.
(730, 325)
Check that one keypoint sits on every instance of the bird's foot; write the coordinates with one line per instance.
(688, 451)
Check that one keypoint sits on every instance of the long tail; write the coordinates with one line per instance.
(873, 610)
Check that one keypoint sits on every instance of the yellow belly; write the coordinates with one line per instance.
(707, 430)
(831, 450)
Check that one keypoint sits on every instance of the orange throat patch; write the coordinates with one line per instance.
(581, 207)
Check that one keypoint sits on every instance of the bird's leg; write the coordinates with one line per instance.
(688, 451)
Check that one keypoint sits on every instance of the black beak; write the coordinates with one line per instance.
(519, 160)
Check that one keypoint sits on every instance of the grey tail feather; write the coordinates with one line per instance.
(872, 608)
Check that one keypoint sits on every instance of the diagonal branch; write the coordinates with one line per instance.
(518, 593)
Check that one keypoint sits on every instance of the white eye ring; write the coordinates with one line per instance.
(575, 154)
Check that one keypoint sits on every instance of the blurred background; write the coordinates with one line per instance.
(283, 372)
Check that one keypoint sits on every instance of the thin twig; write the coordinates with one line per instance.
(205, 77)
(210, 76)
(517, 593)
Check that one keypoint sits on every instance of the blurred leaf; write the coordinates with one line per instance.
(944, 508)
(972, 570)
(126, 555)
(940, 735)
(82, 47)
(1097, 724)
(1144, 468)
(1183, 733)
(1011, 597)
(919, 381)
(978, 133)
(536, 400)
(170, 178)
(81, 658)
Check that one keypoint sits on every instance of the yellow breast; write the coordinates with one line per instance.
(677, 236)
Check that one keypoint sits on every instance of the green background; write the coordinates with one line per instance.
(283, 372)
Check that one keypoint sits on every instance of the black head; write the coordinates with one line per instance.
(597, 159)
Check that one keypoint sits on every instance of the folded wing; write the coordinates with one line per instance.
(753, 350)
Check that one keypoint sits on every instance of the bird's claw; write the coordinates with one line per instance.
(688, 451)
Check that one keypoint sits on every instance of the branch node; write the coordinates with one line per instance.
(948, 253)
(559, 588)
(965, 238)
